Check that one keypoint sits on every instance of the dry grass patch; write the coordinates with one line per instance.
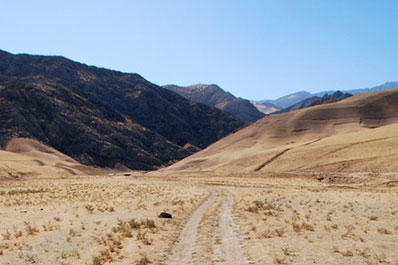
(91, 220)
(323, 224)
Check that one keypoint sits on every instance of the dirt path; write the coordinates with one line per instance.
(182, 251)
(229, 252)
(225, 245)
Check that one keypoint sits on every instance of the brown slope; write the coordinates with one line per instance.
(356, 134)
(28, 157)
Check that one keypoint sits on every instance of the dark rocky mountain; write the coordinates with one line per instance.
(102, 117)
(213, 95)
(313, 101)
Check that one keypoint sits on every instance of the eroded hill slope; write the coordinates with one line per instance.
(356, 134)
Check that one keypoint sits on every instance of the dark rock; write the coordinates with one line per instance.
(165, 215)
(213, 95)
(102, 117)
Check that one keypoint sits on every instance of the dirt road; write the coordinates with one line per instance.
(222, 240)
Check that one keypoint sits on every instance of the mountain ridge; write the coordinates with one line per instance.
(121, 112)
(213, 95)
(291, 99)
(313, 101)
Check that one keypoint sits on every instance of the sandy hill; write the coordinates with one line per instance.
(355, 134)
(28, 157)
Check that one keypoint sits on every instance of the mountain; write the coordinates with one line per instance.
(291, 99)
(213, 95)
(102, 117)
(287, 101)
(385, 86)
(264, 107)
(313, 101)
(357, 134)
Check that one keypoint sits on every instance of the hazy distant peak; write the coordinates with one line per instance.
(294, 98)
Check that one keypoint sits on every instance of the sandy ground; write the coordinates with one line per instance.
(92, 220)
(216, 220)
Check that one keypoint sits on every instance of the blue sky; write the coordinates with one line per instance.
(254, 49)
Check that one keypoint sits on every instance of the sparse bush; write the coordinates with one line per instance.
(97, 260)
(6, 235)
(134, 224)
(149, 223)
(347, 253)
(303, 226)
(384, 231)
(89, 208)
(143, 261)
(279, 260)
(373, 218)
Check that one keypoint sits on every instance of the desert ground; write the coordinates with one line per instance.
(296, 188)
(216, 220)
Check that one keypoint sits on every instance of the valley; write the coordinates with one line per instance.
(94, 160)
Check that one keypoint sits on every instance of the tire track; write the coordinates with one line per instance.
(220, 236)
(230, 251)
(181, 253)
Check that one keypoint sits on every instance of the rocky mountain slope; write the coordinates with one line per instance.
(102, 117)
(313, 101)
(213, 95)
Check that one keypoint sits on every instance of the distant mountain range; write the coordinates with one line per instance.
(291, 99)
(313, 101)
(213, 95)
(102, 117)
(250, 111)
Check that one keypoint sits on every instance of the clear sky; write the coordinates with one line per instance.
(255, 49)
